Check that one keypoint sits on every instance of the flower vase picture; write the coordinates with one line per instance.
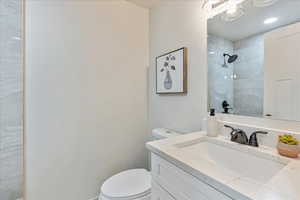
(166, 68)
(171, 72)
(168, 81)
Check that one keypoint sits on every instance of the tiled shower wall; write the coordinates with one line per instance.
(11, 98)
(244, 92)
(249, 84)
(221, 82)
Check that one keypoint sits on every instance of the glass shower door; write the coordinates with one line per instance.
(11, 100)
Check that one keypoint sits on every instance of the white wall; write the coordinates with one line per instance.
(86, 95)
(174, 25)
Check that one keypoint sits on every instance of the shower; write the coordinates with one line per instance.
(231, 59)
(11, 100)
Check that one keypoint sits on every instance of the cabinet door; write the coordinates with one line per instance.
(159, 194)
(181, 185)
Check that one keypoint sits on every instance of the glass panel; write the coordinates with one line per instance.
(11, 100)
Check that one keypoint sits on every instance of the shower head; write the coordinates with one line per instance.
(231, 58)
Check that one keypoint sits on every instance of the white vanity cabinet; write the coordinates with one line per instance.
(158, 193)
(172, 183)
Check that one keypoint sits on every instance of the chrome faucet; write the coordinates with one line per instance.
(240, 136)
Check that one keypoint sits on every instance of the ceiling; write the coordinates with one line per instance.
(287, 12)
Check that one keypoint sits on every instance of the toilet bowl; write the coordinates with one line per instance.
(133, 184)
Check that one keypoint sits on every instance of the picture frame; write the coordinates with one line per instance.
(171, 72)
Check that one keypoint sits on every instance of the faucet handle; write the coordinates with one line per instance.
(253, 138)
(232, 129)
(261, 132)
(227, 126)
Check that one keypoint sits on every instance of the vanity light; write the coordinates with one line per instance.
(263, 3)
(214, 1)
(210, 2)
(233, 11)
(271, 20)
(234, 8)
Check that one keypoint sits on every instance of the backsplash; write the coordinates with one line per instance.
(269, 140)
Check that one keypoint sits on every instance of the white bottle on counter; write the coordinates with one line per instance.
(212, 124)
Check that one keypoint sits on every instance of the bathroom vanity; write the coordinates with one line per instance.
(197, 167)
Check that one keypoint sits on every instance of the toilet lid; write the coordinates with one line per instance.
(128, 184)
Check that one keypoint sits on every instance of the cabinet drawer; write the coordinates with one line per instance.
(181, 184)
(158, 193)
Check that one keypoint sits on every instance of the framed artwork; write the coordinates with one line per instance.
(171, 72)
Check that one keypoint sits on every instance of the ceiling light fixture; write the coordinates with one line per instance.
(263, 3)
(271, 20)
(210, 2)
(234, 8)
(214, 1)
(233, 11)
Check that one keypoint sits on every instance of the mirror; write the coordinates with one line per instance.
(254, 59)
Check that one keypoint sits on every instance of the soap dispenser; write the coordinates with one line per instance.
(212, 124)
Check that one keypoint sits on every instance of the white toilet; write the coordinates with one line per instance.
(134, 184)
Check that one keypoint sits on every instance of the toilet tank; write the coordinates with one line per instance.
(162, 133)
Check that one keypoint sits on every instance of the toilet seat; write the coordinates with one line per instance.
(127, 185)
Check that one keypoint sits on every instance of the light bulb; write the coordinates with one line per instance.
(232, 9)
(213, 1)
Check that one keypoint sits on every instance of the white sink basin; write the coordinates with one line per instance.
(236, 161)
